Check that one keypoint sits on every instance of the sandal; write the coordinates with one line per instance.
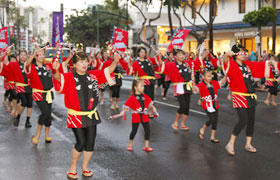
(72, 174)
(147, 149)
(201, 135)
(215, 140)
(277, 132)
(87, 174)
(174, 126)
(129, 148)
(34, 141)
(250, 149)
(185, 128)
(48, 139)
(230, 150)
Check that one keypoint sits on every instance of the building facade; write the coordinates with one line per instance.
(228, 26)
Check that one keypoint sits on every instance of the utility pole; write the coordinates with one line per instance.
(259, 35)
(273, 30)
(211, 14)
(61, 7)
(127, 15)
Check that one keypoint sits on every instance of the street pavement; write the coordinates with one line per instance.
(177, 155)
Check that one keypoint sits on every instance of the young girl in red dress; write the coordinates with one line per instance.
(208, 93)
(139, 103)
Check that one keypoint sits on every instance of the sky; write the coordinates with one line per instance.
(54, 5)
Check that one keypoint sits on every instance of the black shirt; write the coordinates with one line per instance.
(27, 88)
(84, 87)
(185, 73)
(45, 76)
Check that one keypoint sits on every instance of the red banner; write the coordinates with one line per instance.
(179, 39)
(4, 41)
(120, 38)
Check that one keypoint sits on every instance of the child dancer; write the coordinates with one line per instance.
(140, 104)
(208, 93)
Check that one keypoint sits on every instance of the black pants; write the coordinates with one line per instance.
(146, 127)
(115, 91)
(13, 94)
(273, 89)
(26, 99)
(85, 138)
(184, 102)
(6, 93)
(246, 117)
(167, 85)
(213, 119)
(150, 91)
(160, 82)
(46, 111)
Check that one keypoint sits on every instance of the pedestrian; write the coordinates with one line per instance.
(208, 93)
(272, 83)
(40, 76)
(240, 73)
(80, 89)
(139, 103)
(181, 75)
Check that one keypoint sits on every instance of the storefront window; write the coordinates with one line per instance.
(242, 6)
(163, 38)
(221, 46)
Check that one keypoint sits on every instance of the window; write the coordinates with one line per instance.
(242, 6)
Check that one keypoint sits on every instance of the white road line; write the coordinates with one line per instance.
(175, 106)
(56, 117)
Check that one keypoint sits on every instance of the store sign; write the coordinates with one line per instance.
(245, 34)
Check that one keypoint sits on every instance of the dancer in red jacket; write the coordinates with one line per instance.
(181, 75)
(80, 89)
(209, 95)
(240, 72)
(139, 103)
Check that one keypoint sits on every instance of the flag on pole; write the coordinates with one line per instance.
(178, 39)
(57, 35)
(4, 41)
(120, 38)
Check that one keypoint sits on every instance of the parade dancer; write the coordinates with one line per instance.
(139, 103)
(5, 71)
(181, 75)
(80, 89)
(40, 76)
(23, 90)
(115, 89)
(272, 84)
(144, 69)
(208, 93)
(167, 80)
(240, 72)
(209, 63)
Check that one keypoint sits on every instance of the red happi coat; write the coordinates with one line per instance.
(8, 75)
(273, 75)
(35, 81)
(236, 79)
(68, 87)
(170, 68)
(205, 94)
(133, 104)
(202, 64)
(136, 69)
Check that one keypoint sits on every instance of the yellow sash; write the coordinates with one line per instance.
(252, 95)
(147, 77)
(84, 113)
(49, 94)
(188, 84)
(119, 75)
(270, 79)
(11, 82)
(21, 84)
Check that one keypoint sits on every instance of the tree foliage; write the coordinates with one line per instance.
(262, 17)
(82, 26)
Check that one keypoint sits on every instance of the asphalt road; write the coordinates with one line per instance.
(177, 155)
